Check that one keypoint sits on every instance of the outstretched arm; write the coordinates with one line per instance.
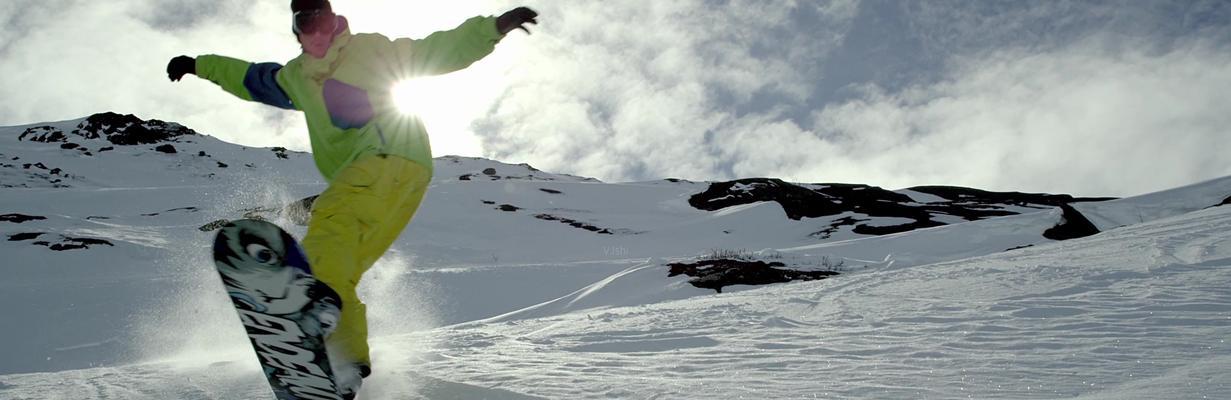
(447, 51)
(248, 81)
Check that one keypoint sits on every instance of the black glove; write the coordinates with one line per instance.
(181, 65)
(516, 19)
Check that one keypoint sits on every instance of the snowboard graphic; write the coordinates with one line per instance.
(285, 310)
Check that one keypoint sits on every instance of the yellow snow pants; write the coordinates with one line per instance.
(357, 218)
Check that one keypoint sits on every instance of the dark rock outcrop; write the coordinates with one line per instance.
(19, 237)
(1073, 225)
(518, 172)
(20, 218)
(801, 201)
(575, 224)
(128, 130)
(798, 202)
(961, 196)
(43, 134)
(716, 274)
(73, 243)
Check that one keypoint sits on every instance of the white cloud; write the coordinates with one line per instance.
(89, 57)
(639, 89)
(681, 90)
(1078, 120)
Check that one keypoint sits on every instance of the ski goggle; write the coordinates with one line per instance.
(314, 21)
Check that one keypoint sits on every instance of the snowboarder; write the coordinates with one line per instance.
(377, 161)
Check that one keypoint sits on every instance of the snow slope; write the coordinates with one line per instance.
(514, 283)
(1139, 312)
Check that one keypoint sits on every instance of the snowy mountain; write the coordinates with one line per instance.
(517, 283)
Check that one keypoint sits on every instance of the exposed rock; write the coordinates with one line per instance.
(166, 148)
(575, 224)
(975, 204)
(128, 130)
(1072, 226)
(155, 214)
(72, 243)
(819, 200)
(69, 146)
(20, 218)
(798, 202)
(518, 172)
(552, 191)
(508, 208)
(865, 229)
(1225, 202)
(221, 164)
(280, 152)
(834, 226)
(43, 134)
(716, 274)
(19, 237)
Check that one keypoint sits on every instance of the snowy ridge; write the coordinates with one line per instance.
(1152, 206)
(514, 283)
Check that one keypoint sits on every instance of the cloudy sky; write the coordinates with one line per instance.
(1089, 97)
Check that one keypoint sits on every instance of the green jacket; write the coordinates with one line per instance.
(346, 96)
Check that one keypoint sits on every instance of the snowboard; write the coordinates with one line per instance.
(286, 312)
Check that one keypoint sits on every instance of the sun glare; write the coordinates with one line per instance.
(426, 97)
(447, 105)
